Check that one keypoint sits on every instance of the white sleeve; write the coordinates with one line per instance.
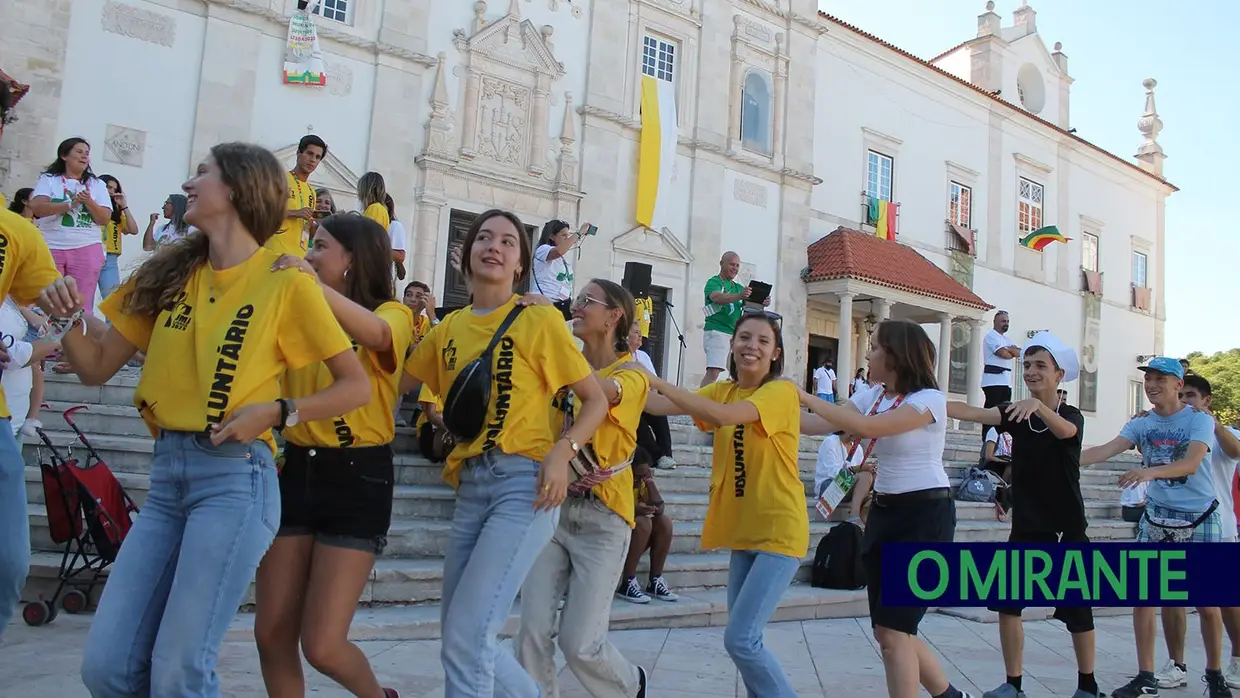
(830, 460)
(397, 232)
(932, 401)
(864, 398)
(99, 192)
(20, 353)
(994, 342)
(541, 253)
(44, 187)
(992, 436)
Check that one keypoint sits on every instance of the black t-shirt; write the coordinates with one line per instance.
(1046, 474)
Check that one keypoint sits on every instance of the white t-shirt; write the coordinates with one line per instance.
(994, 342)
(641, 357)
(913, 460)
(859, 384)
(831, 457)
(1002, 442)
(396, 230)
(1133, 496)
(165, 233)
(552, 279)
(1223, 473)
(74, 228)
(18, 377)
(824, 381)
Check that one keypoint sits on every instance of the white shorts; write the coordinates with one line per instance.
(717, 346)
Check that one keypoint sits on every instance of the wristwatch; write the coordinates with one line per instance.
(573, 444)
(288, 414)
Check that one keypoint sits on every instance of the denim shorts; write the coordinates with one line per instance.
(341, 496)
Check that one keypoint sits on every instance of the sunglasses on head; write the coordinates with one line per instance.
(760, 312)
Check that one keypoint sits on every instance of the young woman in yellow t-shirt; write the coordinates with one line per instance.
(219, 330)
(372, 192)
(512, 477)
(337, 481)
(586, 554)
(121, 223)
(758, 507)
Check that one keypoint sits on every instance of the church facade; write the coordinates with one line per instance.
(536, 106)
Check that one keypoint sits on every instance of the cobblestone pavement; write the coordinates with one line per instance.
(822, 657)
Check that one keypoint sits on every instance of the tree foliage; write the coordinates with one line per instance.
(1223, 372)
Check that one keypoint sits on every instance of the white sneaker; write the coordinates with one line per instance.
(1232, 675)
(665, 463)
(29, 427)
(1171, 676)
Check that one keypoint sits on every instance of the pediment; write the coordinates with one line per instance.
(331, 173)
(643, 241)
(515, 42)
(1045, 61)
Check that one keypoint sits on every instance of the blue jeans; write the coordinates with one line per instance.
(14, 524)
(109, 275)
(827, 397)
(183, 570)
(496, 537)
(756, 581)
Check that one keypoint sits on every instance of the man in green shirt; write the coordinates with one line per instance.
(725, 299)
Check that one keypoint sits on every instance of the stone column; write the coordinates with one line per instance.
(469, 114)
(945, 351)
(844, 365)
(425, 243)
(882, 309)
(781, 87)
(736, 93)
(538, 144)
(976, 333)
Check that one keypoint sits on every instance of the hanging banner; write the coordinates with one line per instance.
(303, 59)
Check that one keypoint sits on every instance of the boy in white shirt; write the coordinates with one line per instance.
(832, 454)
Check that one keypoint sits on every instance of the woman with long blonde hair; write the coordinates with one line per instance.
(219, 330)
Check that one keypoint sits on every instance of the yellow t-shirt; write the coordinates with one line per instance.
(255, 324)
(112, 234)
(425, 395)
(4, 202)
(535, 358)
(26, 266)
(379, 214)
(421, 325)
(645, 311)
(372, 424)
(293, 237)
(616, 437)
(757, 499)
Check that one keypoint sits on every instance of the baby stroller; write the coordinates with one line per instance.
(89, 512)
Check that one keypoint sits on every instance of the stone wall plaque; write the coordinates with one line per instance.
(138, 23)
(125, 146)
(750, 193)
(341, 83)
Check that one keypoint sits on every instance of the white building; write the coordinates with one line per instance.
(787, 121)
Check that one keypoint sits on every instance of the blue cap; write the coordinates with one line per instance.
(1165, 364)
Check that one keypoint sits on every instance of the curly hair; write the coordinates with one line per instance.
(257, 181)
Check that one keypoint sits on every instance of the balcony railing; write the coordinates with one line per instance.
(961, 239)
(1091, 282)
(870, 206)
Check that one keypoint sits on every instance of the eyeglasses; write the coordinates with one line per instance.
(585, 299)
(769, 315)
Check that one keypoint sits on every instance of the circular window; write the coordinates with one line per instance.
(1031, 88)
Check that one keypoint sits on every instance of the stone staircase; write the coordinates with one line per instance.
(402, 598)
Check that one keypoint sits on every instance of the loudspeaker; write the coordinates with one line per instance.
(637, 278)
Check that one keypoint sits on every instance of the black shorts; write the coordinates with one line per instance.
(341, 496)
(925, 516)
(1078, 619)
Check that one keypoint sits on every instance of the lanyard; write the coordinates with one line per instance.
(869, 447)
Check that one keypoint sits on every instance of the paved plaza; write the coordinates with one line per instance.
(836, 658)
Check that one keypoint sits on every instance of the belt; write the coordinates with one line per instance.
(587, 495)
(895, 500)
(995, 369)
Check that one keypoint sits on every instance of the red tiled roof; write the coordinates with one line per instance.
(1000, 100)
(850, 254)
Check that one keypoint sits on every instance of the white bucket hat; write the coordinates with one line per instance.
(1065, 356)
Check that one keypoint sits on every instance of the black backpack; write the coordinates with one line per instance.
(469, 398)
(837, 562)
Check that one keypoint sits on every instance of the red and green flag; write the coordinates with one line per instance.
(1040, 238)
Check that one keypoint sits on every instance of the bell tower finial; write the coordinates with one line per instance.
(1150, 154)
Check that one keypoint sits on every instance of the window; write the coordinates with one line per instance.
(756, 113)
(1139, 264)
(1136, 397)
(1089, 252)
(1030, 209)
(878, 176)
(658, 58)
(335, 10)
(960, 208)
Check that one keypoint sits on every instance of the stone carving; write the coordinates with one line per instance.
(749, 193)
(503, 121)
(138, 23)
(754, 30)
(125, 146)
(341, 83)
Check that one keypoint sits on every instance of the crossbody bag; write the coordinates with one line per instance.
(465, 407)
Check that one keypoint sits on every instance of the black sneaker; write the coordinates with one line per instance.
(1139, 687)
(1216, 685)
(631, 591)
(659, 589)
(641, 683)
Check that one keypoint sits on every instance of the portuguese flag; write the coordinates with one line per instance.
(1040, 238)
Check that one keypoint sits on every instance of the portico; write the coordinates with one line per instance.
(868, 280)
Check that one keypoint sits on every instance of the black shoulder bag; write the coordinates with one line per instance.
(465, 408)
